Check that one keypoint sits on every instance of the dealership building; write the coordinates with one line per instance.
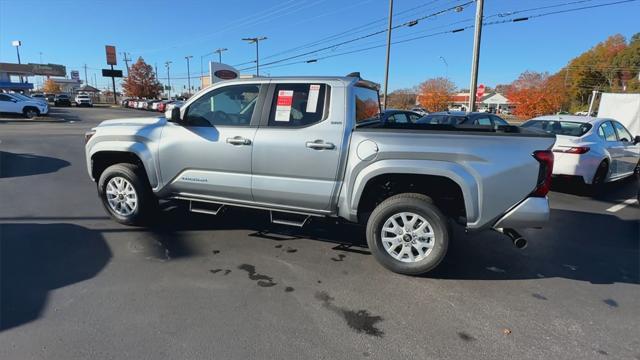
(15, 77)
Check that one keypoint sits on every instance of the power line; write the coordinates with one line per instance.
(456, 30)
(407, 23)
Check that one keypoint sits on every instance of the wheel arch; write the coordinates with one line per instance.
(431, 178)
(106, 154)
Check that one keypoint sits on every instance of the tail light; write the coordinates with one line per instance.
(88, 135)
(573, 150)
(545, 158)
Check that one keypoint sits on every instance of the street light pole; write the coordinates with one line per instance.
(219, 52)
(446, 65)
(476, 55)
(256, 40)
(167, 65)
(17, 44)
(386, 71)
(188, 74)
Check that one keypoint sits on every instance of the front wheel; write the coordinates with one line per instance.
(126, 195)
(30, 112)
(408, 234)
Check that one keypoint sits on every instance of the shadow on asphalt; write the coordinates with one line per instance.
(612, 192)
(16, 165)
(596, 248)
(38, 258)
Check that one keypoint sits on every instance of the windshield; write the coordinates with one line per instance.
(558, 127)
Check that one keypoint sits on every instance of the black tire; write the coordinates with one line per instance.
(30, 112)
(599, 178)
(147, 203)
(422, 206)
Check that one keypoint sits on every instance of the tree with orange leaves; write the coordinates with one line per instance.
(536, 94)
(435, 94)
(141, 81)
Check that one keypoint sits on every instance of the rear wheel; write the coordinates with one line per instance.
(30, 112)
(126, 194)
(408, 234)
(599, 178)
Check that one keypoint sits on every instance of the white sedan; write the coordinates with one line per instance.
(595, 149)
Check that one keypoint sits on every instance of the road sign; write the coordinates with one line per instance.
(480, 92)
(111, 73)
(75, 75)
(111, 55)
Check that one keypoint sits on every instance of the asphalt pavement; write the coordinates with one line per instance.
(76, 285)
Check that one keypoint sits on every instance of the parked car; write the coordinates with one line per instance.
(9, 103)
(83, 100)
(322, 156)
(420, 111)
(173, 104)
(39, 97)
(62, 100)
(162, 105)
(463, 118)
(50, 97)
(594, 150)
(28, 98)
(392, 116)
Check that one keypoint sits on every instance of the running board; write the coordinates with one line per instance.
(205, 207)
(291, 219)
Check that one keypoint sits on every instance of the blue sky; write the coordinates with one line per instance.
(73, 33)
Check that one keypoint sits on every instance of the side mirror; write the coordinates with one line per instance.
(173, 115)
(636, 139)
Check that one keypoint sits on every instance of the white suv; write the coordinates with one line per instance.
(9, 103)
(83, 100)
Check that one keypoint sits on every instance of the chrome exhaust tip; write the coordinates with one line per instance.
(517, 239)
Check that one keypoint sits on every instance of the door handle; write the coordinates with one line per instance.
(320, 145)
(238, 140)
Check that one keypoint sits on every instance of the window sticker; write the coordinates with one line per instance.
(312, 101)
(283, 107)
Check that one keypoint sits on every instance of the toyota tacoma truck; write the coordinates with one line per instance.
(303, 147)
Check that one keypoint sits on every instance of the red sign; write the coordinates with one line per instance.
(285, 98)
(225, 74)
(480, 92)
(111, 55)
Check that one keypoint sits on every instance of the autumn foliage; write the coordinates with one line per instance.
(536, 94)
(50, 87)
(141, 82)
(435, 94)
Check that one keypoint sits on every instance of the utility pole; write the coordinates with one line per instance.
(219, 52)
(40, 53)
(156, 70)
(386, 70)
(256, 40)
(86, 79)
(126, 61)
(188, 74)
(168, 64)
(476, 55)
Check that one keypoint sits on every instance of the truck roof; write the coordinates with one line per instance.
(347, 80)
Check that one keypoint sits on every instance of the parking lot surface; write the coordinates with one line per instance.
(76, 285)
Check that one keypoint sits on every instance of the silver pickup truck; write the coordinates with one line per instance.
(304, 147)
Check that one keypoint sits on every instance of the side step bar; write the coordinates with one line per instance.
(284, 218)
(205, 207)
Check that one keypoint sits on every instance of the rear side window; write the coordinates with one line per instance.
(606, 132)
(499, 121)
(367, 103)
(298, 104)
(483, 120)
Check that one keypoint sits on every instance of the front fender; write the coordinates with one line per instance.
(452, 171)
(134, 146)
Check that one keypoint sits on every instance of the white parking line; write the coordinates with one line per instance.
(618, 207)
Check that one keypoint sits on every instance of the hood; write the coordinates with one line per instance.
(134, 122)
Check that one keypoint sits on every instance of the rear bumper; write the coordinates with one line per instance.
(533, 212)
